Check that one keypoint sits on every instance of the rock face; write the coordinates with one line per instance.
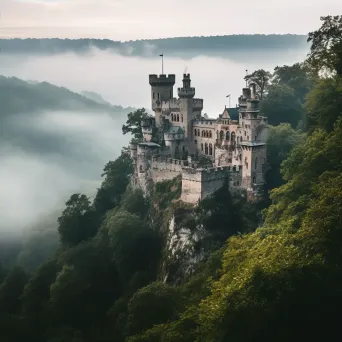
(183, 249)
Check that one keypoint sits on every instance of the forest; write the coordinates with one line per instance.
(171, 46)
(270, 271)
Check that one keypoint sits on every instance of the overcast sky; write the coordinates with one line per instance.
(134, 19)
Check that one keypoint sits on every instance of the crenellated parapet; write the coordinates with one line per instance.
(162, 80)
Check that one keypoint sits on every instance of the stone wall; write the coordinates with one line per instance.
(198, 184)
(162, 168)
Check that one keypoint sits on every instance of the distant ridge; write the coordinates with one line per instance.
(148, 47)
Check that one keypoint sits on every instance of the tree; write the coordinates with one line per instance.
(116, 178)
(297, 76)
(133, 123)
(85, 287)
(261, 78)
(78, 221)
(282, 105)
(281, 140)
(326, 48)
(135, 246)
(154, 304)
(324, 103)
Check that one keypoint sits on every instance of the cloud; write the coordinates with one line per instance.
(133, 19)
(33, 183)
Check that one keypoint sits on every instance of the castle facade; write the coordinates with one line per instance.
(206, 152)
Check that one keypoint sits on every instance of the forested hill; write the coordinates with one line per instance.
(18, 96)
(148, 47)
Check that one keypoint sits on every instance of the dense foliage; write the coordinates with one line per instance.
(280, 282)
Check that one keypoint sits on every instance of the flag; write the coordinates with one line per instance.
(228, 95)
(161, 55)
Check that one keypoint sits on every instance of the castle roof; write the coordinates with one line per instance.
(233, 113)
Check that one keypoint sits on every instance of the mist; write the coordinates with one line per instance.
(50, 156)
(123, 80)
(47, 156)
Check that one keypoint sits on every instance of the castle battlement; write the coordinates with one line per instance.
(168, 80)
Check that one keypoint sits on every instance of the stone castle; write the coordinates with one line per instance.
(206, 152)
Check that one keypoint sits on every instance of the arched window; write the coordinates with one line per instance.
(202, 147)
(206, 148)
(195, 132)
(210, 134)
(256, 163)
(233, 136)
(177, 117)
(227, 135)
(210, 149)
(206, 134)
(221, 135)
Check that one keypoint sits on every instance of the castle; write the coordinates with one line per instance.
(206, 152)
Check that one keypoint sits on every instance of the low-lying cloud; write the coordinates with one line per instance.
(37, 179)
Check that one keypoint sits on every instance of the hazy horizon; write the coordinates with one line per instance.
(122, 20)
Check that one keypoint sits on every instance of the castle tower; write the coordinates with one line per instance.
(254, 140)
(161, 88)
(186, 103)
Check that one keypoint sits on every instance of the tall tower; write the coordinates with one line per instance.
(186, 103)
(161, 90)
(254, 140)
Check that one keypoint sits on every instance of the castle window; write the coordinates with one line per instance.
(221, 135)
(247, 137)
(195, 132)
(210, 134)
(246, 163)
(141, 168)
(171, 117)
(182, 118)
(206, 148)
(195, 142)
(233, 137)
(202, 147)
(227, 135)
(154, 95)
(177, 117)
(255, 138)
(254, 180)
(158, 96)
(210, 149)
(245, 133)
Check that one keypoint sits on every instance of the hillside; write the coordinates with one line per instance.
(18, 96)
(178, 46)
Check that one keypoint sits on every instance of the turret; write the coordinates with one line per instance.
(161, 88)
(186, 91)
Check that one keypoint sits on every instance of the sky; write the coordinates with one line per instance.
(136, 19)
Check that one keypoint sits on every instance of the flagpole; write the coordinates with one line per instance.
(162, 56)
